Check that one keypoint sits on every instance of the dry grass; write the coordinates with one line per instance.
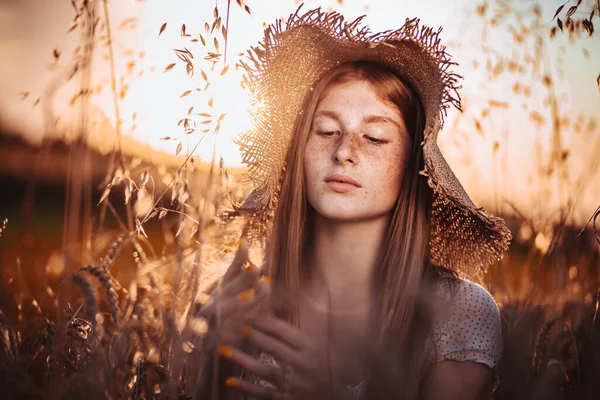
(143, 342)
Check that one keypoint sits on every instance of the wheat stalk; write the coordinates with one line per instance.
(109, 288)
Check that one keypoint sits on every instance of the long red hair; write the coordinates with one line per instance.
(405, 277)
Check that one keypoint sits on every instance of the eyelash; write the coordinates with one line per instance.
(326, 133)
(369, 138)
(374, 140)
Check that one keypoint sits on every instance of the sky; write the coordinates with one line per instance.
(498, 158)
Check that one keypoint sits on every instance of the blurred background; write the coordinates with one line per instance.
(525, 145)
(120, 116)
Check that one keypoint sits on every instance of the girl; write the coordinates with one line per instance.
(371, 239)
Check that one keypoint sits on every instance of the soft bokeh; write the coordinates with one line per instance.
(498, 157)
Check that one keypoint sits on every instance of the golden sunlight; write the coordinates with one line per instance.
(173, 94)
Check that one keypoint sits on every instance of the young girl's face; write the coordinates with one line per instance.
(355, 154)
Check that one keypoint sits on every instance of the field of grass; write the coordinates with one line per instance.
(124, 303)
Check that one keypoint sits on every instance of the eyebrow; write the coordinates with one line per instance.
(369, 119)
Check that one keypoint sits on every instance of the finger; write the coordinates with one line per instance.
(259, 368)
(252, 389)
(232, 335)
(238, 262)
(244, 280)
(280, 350)
(280, 329)
(224, 309)
(264, 284)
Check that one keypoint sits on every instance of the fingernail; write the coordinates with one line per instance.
(232, 382)
(246, 329)
(242, 242)
(248, 266)
(224, 351)
(265, 279)
(246, 294)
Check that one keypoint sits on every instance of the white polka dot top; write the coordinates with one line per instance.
(469, 331)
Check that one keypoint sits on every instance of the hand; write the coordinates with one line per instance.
(302, 373)
(241, 295)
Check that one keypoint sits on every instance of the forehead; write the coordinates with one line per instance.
(356, 95)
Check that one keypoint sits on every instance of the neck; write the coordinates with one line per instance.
(342, 261)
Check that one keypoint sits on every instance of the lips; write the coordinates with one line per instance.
(341, 183)
(342, 179)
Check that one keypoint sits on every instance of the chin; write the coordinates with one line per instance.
(343, 211)
(341, 216)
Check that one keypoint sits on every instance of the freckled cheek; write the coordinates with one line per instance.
(312, 165)
(316, 153)
(385, 180)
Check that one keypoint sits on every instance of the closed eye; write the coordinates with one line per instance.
(374, 140)
(326, 133)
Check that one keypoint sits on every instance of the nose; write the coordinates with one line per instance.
(346, 149)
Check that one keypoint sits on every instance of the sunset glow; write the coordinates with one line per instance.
(492, 146)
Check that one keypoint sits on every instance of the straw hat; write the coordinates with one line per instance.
(282, 69)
